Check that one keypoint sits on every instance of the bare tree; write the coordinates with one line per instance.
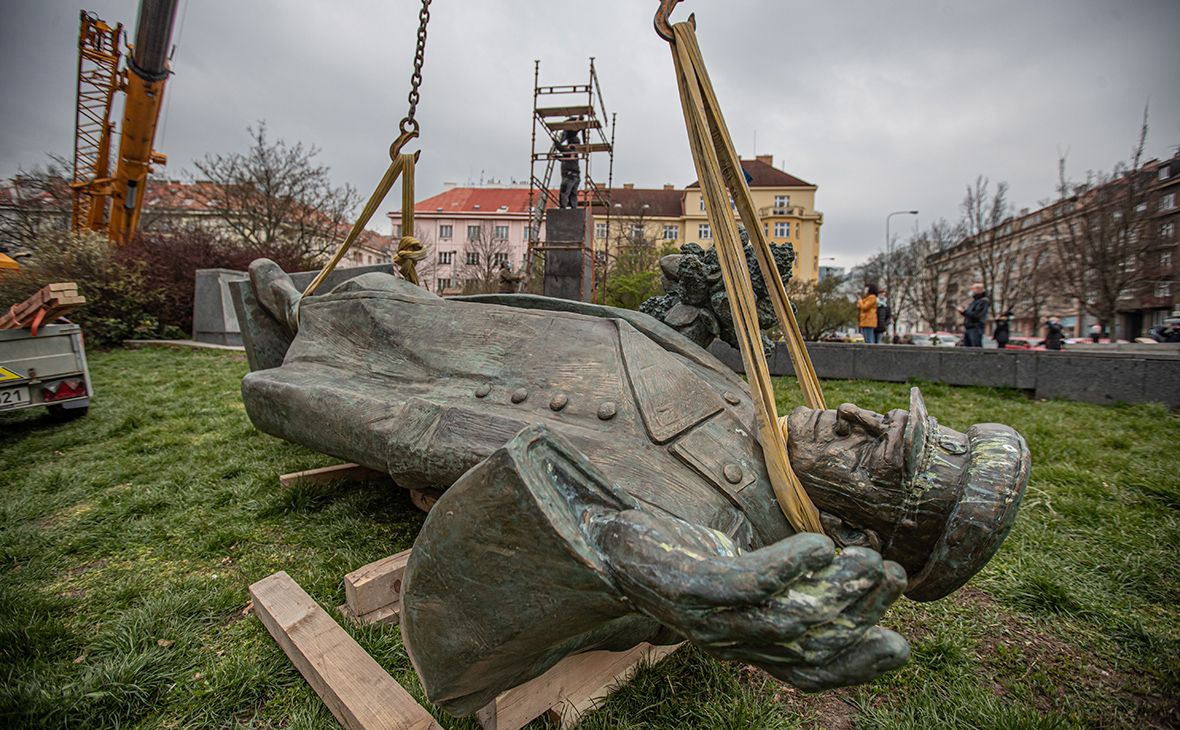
(984, 214)
(483, 251)
(1104, 233)
(930, 294)
(820, 307)
(276, 192)
(35, 202)
(632, 272)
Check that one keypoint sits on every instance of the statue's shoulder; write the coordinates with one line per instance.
(654, 329)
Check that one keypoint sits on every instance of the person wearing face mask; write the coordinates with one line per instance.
(604, 486)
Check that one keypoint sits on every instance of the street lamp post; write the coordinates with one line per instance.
(889, 257)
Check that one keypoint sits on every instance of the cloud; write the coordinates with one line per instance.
(883, 106)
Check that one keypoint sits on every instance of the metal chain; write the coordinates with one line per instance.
(409, 124)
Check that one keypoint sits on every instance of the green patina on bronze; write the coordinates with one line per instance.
(604, 486)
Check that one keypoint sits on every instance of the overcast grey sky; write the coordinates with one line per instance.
(884, 106)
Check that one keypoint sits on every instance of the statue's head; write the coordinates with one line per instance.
(937, 501)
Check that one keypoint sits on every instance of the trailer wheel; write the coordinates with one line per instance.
(61, 414)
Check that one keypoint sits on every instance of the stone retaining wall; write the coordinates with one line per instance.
(1093, 377)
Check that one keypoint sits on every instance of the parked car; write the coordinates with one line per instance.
(839, 336)
(932, 339)
(1020, 343)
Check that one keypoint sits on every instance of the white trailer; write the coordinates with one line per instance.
(47, 370)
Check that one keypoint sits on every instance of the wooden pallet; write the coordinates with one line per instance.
(51, 302)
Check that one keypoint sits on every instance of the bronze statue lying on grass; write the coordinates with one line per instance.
(604, 487)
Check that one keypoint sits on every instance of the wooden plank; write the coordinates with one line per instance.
(360, 694)
(424, 499)
(575, 686)
(584, 124)
(596, 147)
(376, 585)
(340, 472)
(565, 111)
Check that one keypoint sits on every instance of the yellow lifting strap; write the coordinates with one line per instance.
(409, 251)
(721, 178)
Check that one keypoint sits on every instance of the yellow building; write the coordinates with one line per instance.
(785, 204)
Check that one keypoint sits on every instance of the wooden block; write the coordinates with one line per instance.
(390, 615)
(340, 472)
(576, 685)
(376, 585)
(424, 499)
(355, 688)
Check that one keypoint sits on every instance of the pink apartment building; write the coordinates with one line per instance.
(467, 232)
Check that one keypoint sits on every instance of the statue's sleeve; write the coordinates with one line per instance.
(504, 581)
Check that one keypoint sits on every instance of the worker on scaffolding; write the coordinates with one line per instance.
(571, 170)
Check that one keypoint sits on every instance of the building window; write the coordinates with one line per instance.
(473, 258)
(636, 231)
(1167, 230)
(796, 230)
(1163, 289)
(781, 202)
(446, 231)
(445, 257)
(600, 258)
(499, 258)
(1168, 202)
(1164, 173)
(443, 284)
(702, 202)
(671, 233)
(600, 230)
(473, 233)
(501, 233)
(397, 231)
(1165, 258)
(705, 231)
(782, 230)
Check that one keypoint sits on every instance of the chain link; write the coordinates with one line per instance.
(409, 124)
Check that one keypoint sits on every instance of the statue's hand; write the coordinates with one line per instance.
(794, 608)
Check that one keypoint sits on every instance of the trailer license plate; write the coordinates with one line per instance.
(13, 397)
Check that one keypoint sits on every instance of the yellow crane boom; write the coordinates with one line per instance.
(112, 203)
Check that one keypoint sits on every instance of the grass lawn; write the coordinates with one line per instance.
(128, 538)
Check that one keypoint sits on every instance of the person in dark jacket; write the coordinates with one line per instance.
(974, 316)
(509, 282)
(883, 318)
(1001, 330)
(1053, 334)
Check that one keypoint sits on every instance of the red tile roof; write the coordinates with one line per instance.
(660, 203)
(766, 176)
(465, 200)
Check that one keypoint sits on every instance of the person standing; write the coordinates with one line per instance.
(1001, 330)
(884, 315)
(1053, 334)
(974, 316)
(1095, 332)
(508, 280)
(867, 305)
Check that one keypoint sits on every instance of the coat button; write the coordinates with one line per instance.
(519, 395)
(607, 411)
(559, 401)
(483, 390)
(732, 472)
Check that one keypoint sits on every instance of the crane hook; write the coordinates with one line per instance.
(663, 26)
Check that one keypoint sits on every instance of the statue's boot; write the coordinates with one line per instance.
(275, 292)
(953, 506)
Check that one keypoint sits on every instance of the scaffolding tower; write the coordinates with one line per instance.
(585, 111)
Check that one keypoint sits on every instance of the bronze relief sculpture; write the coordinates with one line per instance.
(604, 486)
